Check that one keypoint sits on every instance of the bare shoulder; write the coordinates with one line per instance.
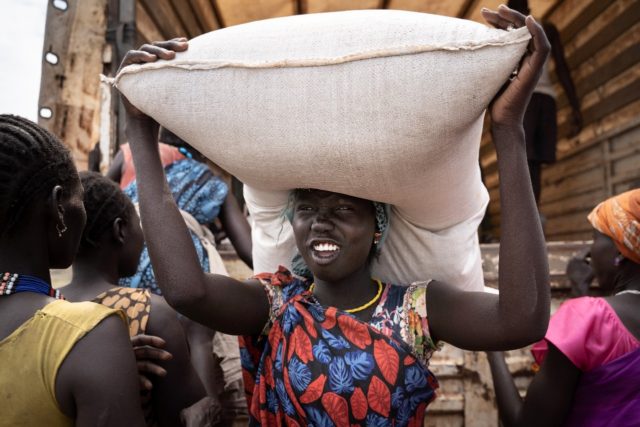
(86, 389)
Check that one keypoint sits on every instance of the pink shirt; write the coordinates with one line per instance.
(588, 331)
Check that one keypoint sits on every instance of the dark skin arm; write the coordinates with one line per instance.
(580, 275)
(97, 383)
(201, 344)
(549, 397)
(520, 314)
(237, 227)
(180, 387)
(184, 285)
(564, 76)
(115, 170)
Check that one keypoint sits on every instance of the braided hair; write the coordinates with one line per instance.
(103, 202)
(32, 162)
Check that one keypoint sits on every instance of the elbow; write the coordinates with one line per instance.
(539, 326)
(525, 329)
(532, 329)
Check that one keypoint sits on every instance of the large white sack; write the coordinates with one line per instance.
(379, 104)
(409, 253)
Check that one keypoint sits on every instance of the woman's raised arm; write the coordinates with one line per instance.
(219, 302)
(520, 314)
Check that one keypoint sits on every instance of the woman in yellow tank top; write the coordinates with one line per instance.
(58, 358)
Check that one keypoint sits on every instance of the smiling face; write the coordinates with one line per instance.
(334, 232)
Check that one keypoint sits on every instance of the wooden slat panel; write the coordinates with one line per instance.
(235, 12)
(587, 15)
(205, 14)
(438, 7)
(622, 121)
(187, 17)
(567, 11)
(315, 6)
(575, 223)
(165, 18)
(600, 39)
(627, 141)
(145, 25)
(573, 203)
(620, 98)
(576, 183)
(625, 115)
(618, 64)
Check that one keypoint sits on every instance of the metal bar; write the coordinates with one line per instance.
(125, 39)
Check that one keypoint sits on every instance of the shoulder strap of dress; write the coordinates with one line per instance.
(83, 315)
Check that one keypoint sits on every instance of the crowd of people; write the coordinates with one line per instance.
(144, 334)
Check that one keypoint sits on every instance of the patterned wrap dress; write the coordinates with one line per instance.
(320, 366)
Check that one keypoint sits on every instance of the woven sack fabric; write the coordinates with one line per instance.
(409, 254)
(385, 105)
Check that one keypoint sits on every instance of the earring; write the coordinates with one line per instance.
(618, 260)
(64, 227)
(376, 238)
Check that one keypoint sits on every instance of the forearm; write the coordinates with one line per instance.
(523, 269)
(201, 345)
(174, 259)
(210, 299)
(507, 395)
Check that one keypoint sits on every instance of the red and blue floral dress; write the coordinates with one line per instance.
(320, 366)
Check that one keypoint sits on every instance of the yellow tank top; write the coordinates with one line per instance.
(31, 356)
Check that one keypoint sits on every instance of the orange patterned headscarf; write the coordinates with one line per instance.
(619, 218)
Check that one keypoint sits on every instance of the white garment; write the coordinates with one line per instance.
(545, 86)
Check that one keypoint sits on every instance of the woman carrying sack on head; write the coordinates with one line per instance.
(344, 348)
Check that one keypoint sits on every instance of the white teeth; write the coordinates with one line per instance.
(325, 247)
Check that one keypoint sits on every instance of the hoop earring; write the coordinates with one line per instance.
(61, 231)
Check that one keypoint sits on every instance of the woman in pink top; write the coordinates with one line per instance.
(590, 357)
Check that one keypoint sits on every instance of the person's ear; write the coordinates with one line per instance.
(118, 230)
(56, 210)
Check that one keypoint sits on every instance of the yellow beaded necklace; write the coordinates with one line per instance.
(364, 306)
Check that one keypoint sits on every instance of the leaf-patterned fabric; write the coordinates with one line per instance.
(319, 366)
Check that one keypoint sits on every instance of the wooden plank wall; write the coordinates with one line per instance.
(602, 46)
